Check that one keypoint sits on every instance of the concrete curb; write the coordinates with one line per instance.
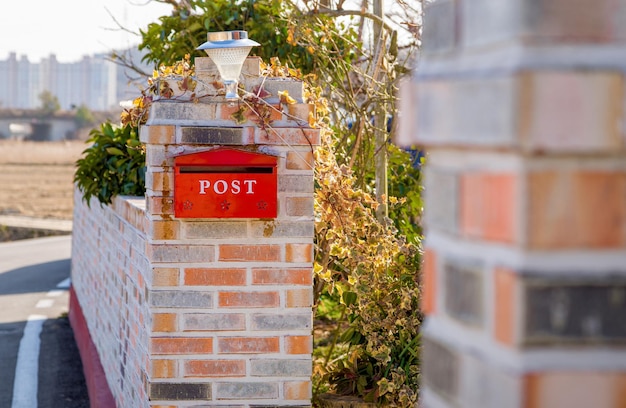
(36, 223)
(100, 395)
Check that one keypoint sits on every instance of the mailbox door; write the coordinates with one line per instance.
(225, 183)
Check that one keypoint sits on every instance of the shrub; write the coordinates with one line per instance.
(114, 164)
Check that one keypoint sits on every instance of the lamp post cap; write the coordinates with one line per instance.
(227, 39)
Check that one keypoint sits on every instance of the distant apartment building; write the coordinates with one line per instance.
(94, 82)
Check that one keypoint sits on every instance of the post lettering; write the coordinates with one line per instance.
(235, 186)
(204, 184)
(249, 184)
(223, 188)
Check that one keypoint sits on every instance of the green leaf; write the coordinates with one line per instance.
(349, 298)
(115, 151)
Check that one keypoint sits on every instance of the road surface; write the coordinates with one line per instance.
(39, 362)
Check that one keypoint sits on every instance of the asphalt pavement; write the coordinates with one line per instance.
(39, 362)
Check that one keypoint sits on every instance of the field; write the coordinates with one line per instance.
(36, 178)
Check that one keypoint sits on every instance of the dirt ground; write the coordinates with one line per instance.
(36, 178)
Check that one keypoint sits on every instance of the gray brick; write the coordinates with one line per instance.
(277, 229)
(490, 21)
(487, 22)
(281, 406)
(281, 368)
(440, 368)
(213, 322)
(181, 253)
(587, 311)
(299, 206)
(441, 199)
(484, 111)
(468, 112)
(212, 135)
(175, 298)
(215, 229)
(275, 85)
(246, 390)
(168, 112)
(295, 184)
(281, 322)
(463, 285)
(486, 385)
(440, 26)
(156, 155)
(180, 391)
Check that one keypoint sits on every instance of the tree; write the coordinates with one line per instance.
(84, 117)
(49, 104)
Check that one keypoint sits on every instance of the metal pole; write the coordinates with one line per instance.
(380, 118)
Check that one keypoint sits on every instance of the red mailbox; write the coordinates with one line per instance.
(225, 183)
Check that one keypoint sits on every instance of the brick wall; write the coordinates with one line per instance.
(215, 312)
(520, 106)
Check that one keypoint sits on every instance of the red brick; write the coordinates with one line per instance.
(429, 282)
(577, 209)
(180, 345)
(298, 390)
(164, 368)
(575, 390)
(158, 134)
(162, 230)
(164, 322)
(299, 297)
(575, 111)
(299, 344)
(160, 205)
(215, 368)
(160, 181)
(488, 206)
(505, 305)
(291, 136)
(249, 299)
(301, 111)
(165, 276)
(227, 111)
(215, 277)
(248, 345)
(297, 253)
(298, 160)
(263, 253)
(293, 276)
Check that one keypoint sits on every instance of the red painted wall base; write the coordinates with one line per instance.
(100, 395)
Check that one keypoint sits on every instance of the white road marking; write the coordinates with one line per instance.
(64, 284)
(27, 368)
(44, 303)
(55, 293)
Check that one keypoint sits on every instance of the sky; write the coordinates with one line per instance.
(71, 29)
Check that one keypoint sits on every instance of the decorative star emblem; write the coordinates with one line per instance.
(187, 205)
(225, 205)
(261, 205)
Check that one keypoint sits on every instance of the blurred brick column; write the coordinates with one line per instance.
(520, 107)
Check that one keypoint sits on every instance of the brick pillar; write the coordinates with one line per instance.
(520, 107)
(230, 299)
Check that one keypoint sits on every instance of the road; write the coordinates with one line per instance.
(39, 362)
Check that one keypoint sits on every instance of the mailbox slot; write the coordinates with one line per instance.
(206, 169)
(225, 183)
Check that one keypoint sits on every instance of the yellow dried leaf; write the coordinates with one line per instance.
(285, 98)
